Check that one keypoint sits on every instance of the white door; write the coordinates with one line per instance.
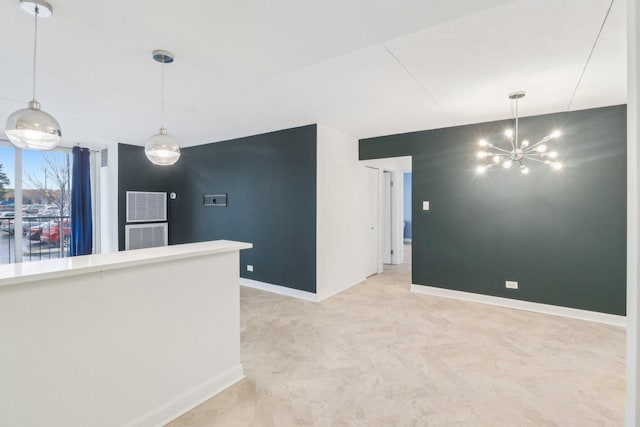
(386, 218)
(372, 224)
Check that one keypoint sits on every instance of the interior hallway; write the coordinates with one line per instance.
(377, 355)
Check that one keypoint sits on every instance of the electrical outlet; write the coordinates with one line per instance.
(249, 267)
(511, 285)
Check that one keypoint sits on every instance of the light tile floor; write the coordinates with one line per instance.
(378, 355)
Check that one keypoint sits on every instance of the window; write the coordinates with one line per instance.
(46, 195)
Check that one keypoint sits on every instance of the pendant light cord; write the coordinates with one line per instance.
(35, 50)
(162, 98)
(516, 135)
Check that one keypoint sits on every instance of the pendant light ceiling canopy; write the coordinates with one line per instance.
(162, 148)
(31, 127)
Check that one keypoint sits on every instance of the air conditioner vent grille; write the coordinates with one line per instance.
(139, 236)
(144, 206)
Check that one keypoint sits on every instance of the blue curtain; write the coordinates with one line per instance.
(81, 224)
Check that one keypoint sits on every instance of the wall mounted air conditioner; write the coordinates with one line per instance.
(139, 236)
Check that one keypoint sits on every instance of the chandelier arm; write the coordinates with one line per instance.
(493, 147)
(534, 159)
(535, 154)
(543, 140)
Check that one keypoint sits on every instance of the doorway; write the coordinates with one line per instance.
(386, 214)
(372, 221)
(407, 234)
(387, 218)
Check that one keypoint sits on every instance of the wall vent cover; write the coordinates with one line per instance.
(143, 206)
(104, 158)
(139, 236)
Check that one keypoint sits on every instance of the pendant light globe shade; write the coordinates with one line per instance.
(162, 149)
(33, 128)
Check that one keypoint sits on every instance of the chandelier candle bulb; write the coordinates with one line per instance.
(520, 152)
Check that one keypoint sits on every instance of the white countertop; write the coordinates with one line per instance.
(13, 274)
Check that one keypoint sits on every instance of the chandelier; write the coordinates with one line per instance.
(519, 151)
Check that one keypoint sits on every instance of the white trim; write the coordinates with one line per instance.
(325, 295)
(17, 206)
(182, 404)
(277, 289)
(555, 310)
(632, 409)
(295, 293)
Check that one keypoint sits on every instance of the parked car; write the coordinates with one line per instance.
(50, 233)
(33, 209)
(35, 231)
(8, 225)
(7, 215)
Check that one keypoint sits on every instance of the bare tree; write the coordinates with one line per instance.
(56, 173)
(4, 180)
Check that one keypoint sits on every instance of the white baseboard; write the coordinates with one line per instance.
(323, 296)
(295, 293)
(277, 289)
(574, 313)
(180, 405)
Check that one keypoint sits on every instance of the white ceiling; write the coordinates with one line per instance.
(366, 67)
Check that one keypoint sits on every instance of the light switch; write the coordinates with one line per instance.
(425, 205)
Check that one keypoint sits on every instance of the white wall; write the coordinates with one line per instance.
(341, 207)
(398, 164)
(633, 239)
(109, 203)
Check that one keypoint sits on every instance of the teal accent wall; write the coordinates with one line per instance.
(560, 235)
(270, 182)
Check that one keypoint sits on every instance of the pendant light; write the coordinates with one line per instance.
(162, 149)
(31, 127)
